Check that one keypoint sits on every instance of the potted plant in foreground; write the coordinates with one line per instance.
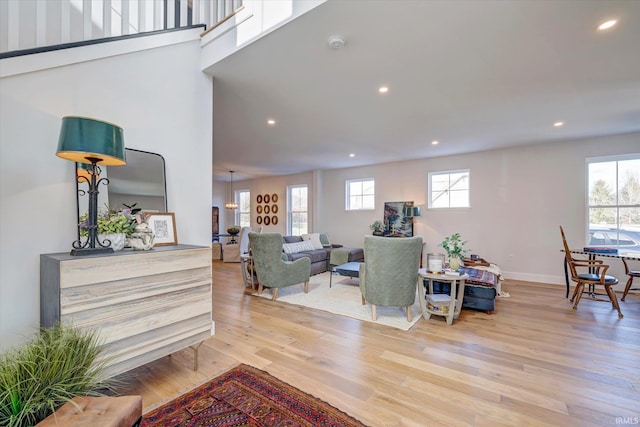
(41, 375)
(454, 246)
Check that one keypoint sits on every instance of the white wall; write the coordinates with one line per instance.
(164, 104)
(519, 197)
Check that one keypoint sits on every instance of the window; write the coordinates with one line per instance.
(297, 210)
(613, 194)
(243, 213)
(360, 194)
(449, 189)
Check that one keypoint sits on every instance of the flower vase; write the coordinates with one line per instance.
(454, 262)
(117, 240)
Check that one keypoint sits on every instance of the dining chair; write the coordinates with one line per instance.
(631, 274)
(595, 276)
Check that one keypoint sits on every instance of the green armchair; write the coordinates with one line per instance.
(271, 269)
(389, 275)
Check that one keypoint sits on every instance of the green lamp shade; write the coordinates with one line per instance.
(82, 137)
(412, 211)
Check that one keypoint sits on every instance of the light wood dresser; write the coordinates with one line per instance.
(145, 304)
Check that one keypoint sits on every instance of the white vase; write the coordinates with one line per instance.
(117, 240)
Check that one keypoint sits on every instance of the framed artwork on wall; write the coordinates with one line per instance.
(396, 223)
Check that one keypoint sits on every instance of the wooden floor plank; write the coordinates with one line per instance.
(534, 362)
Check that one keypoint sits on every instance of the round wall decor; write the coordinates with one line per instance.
(274, 198)
(266, 198)
(267, 220)
(259, 219)
(274, 209)
(259, 198)
(267, 209)
(259, 209)
(274, 220)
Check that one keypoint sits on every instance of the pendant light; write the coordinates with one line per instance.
(231, 204)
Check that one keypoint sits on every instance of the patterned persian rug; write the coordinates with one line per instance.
(246, 396)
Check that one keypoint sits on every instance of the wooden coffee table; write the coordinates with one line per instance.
(350, 269)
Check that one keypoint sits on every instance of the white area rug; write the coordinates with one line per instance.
(344, 299)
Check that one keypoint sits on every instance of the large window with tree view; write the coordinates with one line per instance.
(613, 196)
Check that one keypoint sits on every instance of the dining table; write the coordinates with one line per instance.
(593, 254)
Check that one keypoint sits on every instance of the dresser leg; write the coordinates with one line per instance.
(195, 354)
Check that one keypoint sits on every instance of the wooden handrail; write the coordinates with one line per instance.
(222, 21)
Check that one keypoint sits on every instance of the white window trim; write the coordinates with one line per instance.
(600, 159)
(289, 209)
(447, 172)
(347, 195)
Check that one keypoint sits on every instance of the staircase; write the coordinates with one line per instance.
(31, 26)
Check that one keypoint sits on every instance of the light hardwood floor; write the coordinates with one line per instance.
(535, 361)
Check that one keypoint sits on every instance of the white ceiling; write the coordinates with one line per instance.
(474, 75)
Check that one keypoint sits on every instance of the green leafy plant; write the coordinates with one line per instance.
(38, 377)
(454, 245)
(377, 227)
(111, 221)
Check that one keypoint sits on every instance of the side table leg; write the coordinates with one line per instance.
(422, 298)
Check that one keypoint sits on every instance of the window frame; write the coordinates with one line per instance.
(291, 212)
(239, 213)
(430, 198)
(362, 195)
(611, 232)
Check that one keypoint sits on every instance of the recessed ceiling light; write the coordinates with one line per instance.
(352, 155)
(383, 89)
(558, 124)
(434, 142)
(271, 122)
(336, 42)
(607, 24)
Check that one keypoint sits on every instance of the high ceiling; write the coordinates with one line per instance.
(473, 75)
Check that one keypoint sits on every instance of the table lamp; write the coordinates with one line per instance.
(91, 141)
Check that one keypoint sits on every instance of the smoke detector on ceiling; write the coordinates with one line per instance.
(336, 42)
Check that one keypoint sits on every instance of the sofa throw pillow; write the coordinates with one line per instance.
(324, 239)
(313, 238)
(292, 248)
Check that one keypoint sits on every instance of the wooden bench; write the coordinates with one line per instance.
(120, 411)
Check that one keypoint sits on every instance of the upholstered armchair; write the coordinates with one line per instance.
(273, 272)
(389, 274)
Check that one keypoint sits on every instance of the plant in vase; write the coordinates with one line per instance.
(39, 376)
(454, 247)
(113, 225)
(377, 228)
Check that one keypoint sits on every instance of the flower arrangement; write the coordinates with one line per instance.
(111, 222)
(377, 227)
(453, 245)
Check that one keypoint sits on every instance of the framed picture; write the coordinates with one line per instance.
(267, 209)
(266, 198)
(274, 198)
(163, 225)
(259, 209)
(259, 198)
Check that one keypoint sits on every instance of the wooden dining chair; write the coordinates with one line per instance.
(631, 274)
(595, 276)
